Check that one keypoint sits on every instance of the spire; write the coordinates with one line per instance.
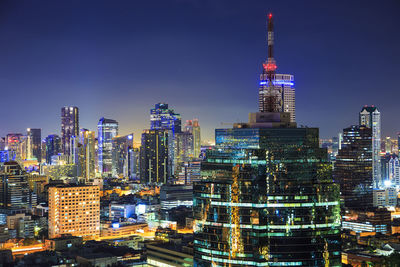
(270, 96)
(270, 36)
(270, 64)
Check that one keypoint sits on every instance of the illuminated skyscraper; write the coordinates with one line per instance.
(53, 147)
(120, 155)
(14, 189)
(266, 198)
(34, 144)
(154, 164)
(164, 118)
(371, 118)
(13, 143)
(353, 168)
(87, 139)
(69, 127)
(193, 127)
(107, 130)
(74, 210)
(276, 92)
(266, 195)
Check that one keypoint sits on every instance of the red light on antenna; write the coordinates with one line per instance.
(270, 15)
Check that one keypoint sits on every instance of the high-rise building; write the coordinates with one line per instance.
(53, 147)
(164, 118)
(188, 172)
(87, 139)
(390, 170)
(77, 156)
(69, 127)
(154, 164)
(193, 127)
(14, 189)
(276, 91)
(107, 130)
(134, 159)
(266, 198)
(13, 143)
(74, 210)
(120, 155)
(353, 168)
(34, 144)
(370, 117)
(184, 147)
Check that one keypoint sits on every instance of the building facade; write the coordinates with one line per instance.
(353, 168)
(370, 117)
(14, 188)
(266, 198)
(120, 155)
(53, 147)
(69, 127)
(107, 130)
(87, 139)
(34, 144)
(74, 210)
(154, 159)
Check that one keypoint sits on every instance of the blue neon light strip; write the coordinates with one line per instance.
(279, 82)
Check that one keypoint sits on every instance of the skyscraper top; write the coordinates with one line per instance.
(270, 64)
(371, 108)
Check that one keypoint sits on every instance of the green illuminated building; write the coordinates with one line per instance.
(267, 198)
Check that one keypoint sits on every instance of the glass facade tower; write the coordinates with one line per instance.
(69, 127)
(267, 198)
(107, 130)
(353, 168)
(370, 117)
(34, 144)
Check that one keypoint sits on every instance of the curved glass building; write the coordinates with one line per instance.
(267, 198)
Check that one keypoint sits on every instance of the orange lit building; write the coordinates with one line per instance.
(74, 210)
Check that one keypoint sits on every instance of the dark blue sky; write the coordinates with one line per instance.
(203, 57)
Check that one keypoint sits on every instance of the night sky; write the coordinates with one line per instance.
(203, 57)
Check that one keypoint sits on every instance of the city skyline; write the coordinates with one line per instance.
(79, 67)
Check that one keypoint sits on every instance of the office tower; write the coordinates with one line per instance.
(14, 189)
(69, 127)
(266, 197)
(154, 167)
(120, 155)
(184, 147)
(74, 210)
(87, 139)
(193, 127)
(34, 144)
(23, 148)
(53, 147)
(107, 130)
(77, 156)
(188, 172)
(393, 172)
(164, 118)
(371, 118)
(353, 168)
(134, 159)
(13, 143)
(276, 91)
